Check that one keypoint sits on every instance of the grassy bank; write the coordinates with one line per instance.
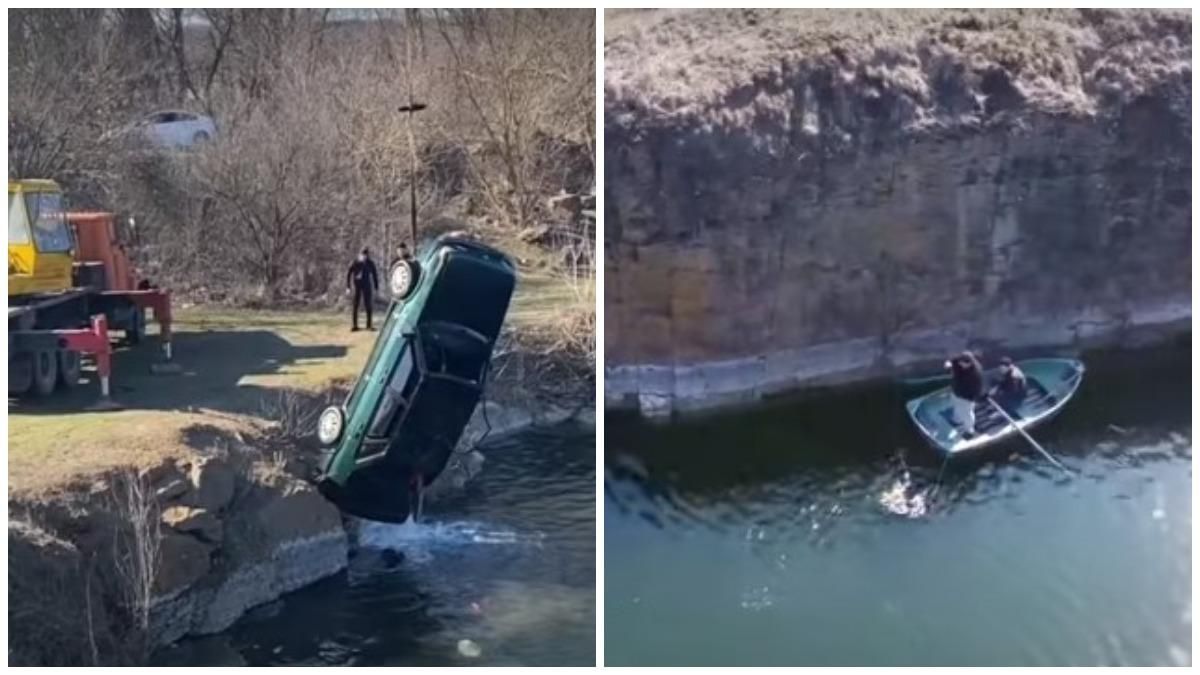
(243, 371)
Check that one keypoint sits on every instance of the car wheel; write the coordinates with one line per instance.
(200, 137)
(402, 278)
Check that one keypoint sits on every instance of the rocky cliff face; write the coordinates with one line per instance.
(234, 531)
(792, 199)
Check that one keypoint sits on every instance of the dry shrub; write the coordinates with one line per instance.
(294, 413)
(136, 554)
(311, 160)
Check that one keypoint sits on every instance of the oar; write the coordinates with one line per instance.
(1035, 444)
(915, 382)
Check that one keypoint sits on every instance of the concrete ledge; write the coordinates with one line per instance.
(659, 391)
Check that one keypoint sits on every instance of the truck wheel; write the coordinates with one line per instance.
(20, 373)
(69, 367)
(45, 372)
(136, 330)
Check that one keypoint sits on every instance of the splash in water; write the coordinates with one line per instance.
(898, 501)
(377, 535)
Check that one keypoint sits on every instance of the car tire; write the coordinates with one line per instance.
(403, 269)
(201, 137)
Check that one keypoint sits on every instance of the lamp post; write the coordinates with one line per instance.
(411, 108)
(412, 182)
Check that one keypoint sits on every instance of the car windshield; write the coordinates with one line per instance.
(51, 233)
(454, 351)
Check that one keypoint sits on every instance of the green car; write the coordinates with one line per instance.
(421, 384)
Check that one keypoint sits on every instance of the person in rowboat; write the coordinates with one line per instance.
(1009, 390)
(966, 385)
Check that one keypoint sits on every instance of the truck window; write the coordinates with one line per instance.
(18, 225)
(51, 234)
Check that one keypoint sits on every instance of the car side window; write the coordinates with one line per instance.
(397, 394)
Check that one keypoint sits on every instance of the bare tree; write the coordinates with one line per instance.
(136, 551)
(71, 87)
(527, 81)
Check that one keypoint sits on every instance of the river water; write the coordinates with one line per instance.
(508, 565)
(808, 532)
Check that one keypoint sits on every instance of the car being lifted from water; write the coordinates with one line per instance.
(422, 382)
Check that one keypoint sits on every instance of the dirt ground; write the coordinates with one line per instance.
(235, 366)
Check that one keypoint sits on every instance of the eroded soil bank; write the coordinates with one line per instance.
(100, 574)
(800, 197)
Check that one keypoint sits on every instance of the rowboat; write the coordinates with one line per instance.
(1050, 384)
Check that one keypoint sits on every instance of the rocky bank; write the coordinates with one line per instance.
(235, 530)
(795, 197)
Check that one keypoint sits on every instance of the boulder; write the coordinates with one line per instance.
(213, 482)
(162, 473)
(472, 463)
(198, 522)
(183, 560)
(299, 514)
(46, 594)
(172, 490)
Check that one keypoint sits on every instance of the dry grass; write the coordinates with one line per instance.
(257, 373)
(687, 62)
(235, 364)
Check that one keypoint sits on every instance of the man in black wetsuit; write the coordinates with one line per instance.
(1009, 390)
(966, 385)
(363, 279)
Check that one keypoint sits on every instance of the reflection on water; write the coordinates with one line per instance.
(503, 574)
(816, 532)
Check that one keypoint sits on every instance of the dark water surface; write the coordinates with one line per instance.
(509, 564)
(805, 532)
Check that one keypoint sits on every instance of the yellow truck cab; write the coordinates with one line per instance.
(40, 242)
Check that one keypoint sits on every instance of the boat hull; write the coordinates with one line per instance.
(1052, 383)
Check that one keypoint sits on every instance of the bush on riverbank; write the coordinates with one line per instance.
(311, 160)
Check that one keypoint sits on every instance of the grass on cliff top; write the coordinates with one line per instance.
(236, 363)
(691, 60)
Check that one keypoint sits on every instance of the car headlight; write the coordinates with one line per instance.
(329, 425)
(400, 279)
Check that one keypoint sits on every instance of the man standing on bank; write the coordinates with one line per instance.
(363, 278)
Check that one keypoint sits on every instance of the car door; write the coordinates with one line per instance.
(394, 403)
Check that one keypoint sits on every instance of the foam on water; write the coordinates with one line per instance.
(897, 500)
(377, 535)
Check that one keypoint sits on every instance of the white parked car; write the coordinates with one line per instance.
(177, 128)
